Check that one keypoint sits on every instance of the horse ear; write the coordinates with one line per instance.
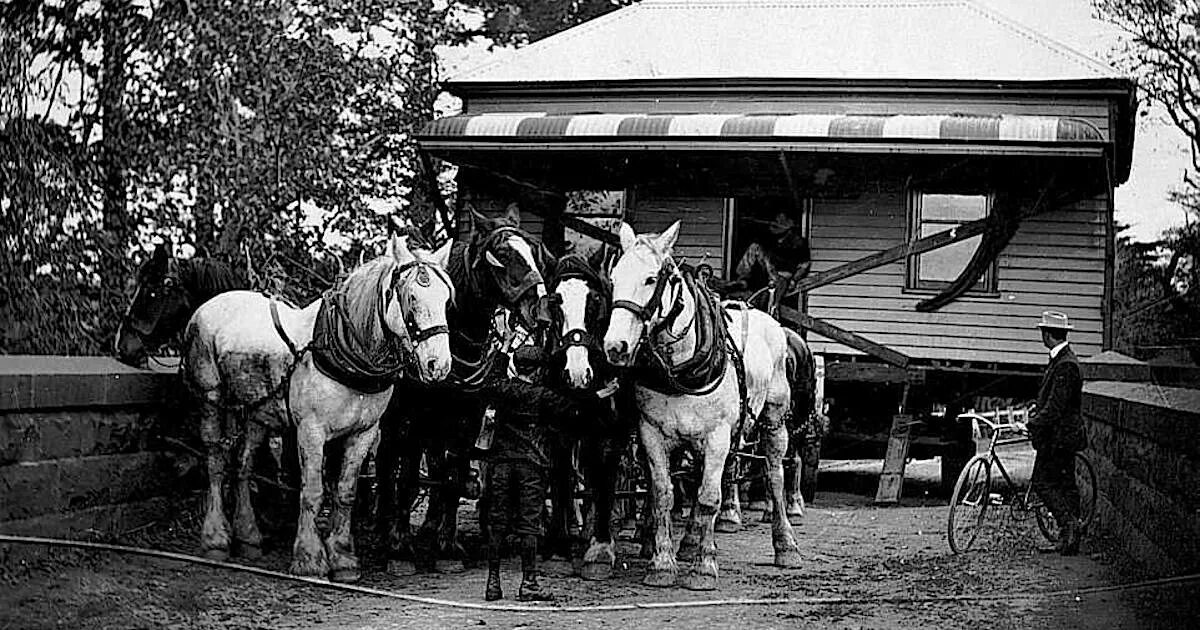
(628, 237)
(398, 249)
(442, 255)
(162, 252)
(666, 240)
(512, 214)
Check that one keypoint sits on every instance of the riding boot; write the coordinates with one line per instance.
(531, 591)
(493, 591)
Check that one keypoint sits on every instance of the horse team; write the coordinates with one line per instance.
(394, 354)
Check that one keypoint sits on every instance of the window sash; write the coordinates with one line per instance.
(922, 224)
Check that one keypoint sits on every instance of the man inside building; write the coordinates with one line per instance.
(776, 261)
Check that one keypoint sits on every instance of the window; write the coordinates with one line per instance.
(930, 213)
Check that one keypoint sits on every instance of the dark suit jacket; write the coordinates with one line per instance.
(1057, 425)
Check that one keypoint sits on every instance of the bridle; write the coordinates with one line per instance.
(170, 283)
(580, 337)
(420, 272)
(668, 274)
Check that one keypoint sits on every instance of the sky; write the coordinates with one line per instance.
(1160, 151)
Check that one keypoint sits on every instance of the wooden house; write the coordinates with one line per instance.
(952, 168)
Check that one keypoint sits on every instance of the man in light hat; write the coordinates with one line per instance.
(1056, 430)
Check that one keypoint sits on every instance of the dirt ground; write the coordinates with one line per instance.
(852, 549)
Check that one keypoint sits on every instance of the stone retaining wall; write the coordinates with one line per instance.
(1145, 442)
(78, 447)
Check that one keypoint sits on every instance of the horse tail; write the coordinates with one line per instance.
(801, 373)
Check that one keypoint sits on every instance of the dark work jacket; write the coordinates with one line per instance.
(1057, 424)
(525, 414)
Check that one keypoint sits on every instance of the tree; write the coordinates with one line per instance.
(1162, 49)
(1157, 296)
(520, 22)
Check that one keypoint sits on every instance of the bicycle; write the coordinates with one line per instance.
(975, 492)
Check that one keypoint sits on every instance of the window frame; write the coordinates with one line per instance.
(988, 284)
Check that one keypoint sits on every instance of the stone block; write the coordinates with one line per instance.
(53, 434)
(29, 489)
(107, 479)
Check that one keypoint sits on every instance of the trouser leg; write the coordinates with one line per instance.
(1054, 481)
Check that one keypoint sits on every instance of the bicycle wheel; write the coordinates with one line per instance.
(969, 503)
(1085, 480)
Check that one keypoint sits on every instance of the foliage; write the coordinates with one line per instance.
(276, 134)
(1157, 299)
(518, 22)
(1162, 49)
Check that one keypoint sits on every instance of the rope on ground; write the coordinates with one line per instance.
(898, 600)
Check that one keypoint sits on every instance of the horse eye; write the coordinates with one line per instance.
(651, 280)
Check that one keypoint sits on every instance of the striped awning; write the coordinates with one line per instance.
(732, 131)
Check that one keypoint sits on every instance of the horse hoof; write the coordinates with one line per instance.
(401, 568)
(220, 555)
(795, 510)
(309, 569)
(699, 582)
(727, 526)
(596, 571)
(788, 559)
(449, 566)
(345, 576)
(249, 552)
(661, 579)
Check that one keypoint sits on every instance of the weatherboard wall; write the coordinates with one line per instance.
(1055, 261)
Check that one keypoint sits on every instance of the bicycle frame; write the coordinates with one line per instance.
(1020, 501)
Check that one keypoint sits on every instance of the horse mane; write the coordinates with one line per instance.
(359, 293)
(208, 277)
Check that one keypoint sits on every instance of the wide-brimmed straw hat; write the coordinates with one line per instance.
(1054, 320)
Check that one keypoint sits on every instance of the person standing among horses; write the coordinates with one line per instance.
(1056, 430)
(519, 464)
(777, 261)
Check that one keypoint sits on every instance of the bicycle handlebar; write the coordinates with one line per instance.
(1013, 427)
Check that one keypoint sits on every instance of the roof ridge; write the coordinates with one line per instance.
(1039, 37)
(561, 36)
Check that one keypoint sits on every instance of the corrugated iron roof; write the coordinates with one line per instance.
(794, 39)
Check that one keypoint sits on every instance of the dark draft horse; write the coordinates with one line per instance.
(580, 304)
(497, 265)
(168, 292)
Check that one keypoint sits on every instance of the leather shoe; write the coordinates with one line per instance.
(531, 591)
(1071, 533)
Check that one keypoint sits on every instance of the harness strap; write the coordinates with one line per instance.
(281, 332)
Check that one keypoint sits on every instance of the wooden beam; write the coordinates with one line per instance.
(843, 336)
(919, 246)
(866, 372)
(579, 225)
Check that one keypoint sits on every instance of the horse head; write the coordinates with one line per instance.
(582, 297)
(646, 287)
(416, 300)
(161, 306)
(510, 264)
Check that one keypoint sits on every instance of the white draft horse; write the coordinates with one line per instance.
(255, 367)
(657, 325)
